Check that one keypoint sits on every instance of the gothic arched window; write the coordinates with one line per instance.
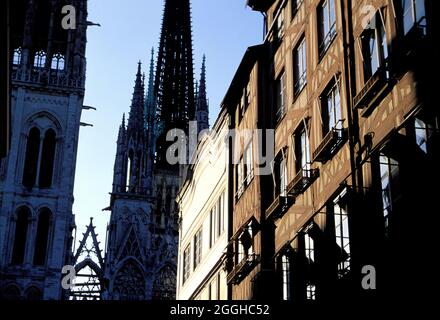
(138, 166)
(47, 159)
(40, 59)
(129, 168)
(11, 293)
(168, 204)
(33, 293)
(16, 57)
(165, 284)
(158, 210)
(58, 62)
(31, 158)
(129, 282)
(21, 232)
(41, 240)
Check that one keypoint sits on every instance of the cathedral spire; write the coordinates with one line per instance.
(150, 124)
(174, 79)
(149, 99)
(202, 108)
(135, 120)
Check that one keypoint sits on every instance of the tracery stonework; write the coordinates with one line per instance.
(129, 282)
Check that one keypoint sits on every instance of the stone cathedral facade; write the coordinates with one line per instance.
(141, 255)
(37, 177)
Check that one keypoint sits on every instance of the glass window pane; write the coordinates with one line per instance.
(421, 135)
(420, 10)
(373, 53)
(408, 20)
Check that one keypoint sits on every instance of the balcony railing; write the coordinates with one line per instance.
(329, 145)
(279, 207)
(242, 269)
(305, 177)
(56, 78)
(368, 97)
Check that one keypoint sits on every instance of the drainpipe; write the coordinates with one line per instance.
(350, 88)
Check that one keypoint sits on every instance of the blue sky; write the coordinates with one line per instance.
(222, 29)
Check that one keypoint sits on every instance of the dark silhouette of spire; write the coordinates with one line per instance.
(136, 117)
(202, 108)
(150, 124)
(174, 82)
(150, 103)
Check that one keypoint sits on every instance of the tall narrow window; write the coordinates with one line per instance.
(248, 163)
(197, 248)
(168, 200)
(286, 275)
(342, 235)
(390, 181)
(40, 59)
(309, 246)
(300, 65)
(425, 133)
(20, 238)
(239, 178)
(302, 150)
(159, 210)
(246, 244)
(129, 169)
(281, 175)
(331, 110)
(413, 13)
(219, 215)
(327, 25)
(186, 263)
(47, 159)
(41, 242)
(16, 57)
(58, 62)
(280, 87)
(374, 46)
(279, 16)
(422, 134)
(212, 233)
(31, 158)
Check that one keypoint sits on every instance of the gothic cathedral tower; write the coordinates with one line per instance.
(141, 257)
(37, 178)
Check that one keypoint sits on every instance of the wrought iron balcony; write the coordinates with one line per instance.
(329, 145)
(279, 207)
(242, 269)
(368, 97)
(305, 177)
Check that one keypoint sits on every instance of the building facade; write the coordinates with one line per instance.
(204, 216)
(245, 102)
(355, 142)
(37, 177)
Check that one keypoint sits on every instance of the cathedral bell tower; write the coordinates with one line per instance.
(37, 177)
